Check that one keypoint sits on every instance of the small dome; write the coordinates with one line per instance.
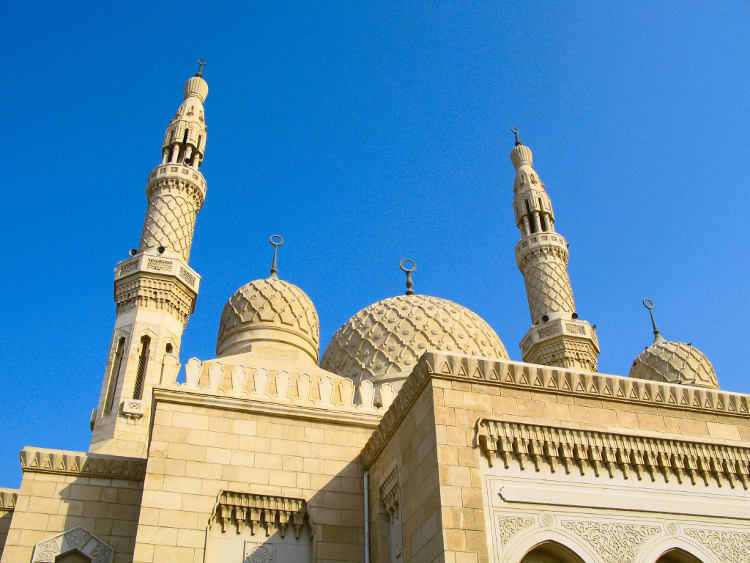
(384, 341)
(271, 316)
(674, 362)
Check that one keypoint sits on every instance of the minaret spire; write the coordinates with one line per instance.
(557, 337)
(155, 288)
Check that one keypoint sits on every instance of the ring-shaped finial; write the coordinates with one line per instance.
(201, 62)
(276, 240)
(408, 265)
(648, 303)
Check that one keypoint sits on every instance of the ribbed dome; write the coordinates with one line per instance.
(674, 362)
(196, 86)
(269, 315)
(386, 339)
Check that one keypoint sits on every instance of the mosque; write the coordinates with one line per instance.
(412, 437)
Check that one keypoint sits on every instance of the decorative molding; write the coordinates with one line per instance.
(390, 495)
(260, 511)
(509, 526)
(132, 408)
(530, 445)
(614, 542)
(77, 538)
(8, 498)
(82, 464)
(160, 292)
(728, 546)
(505, 373)
(257, 552)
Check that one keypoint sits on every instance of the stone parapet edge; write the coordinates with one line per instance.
(182, 396)
(8, 499)
(82, 464)
(548, 379)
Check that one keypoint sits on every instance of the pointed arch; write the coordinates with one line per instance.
(677, 555)
(551, 552)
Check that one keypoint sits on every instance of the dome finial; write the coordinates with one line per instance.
(514, 130)
(276, 241)
(409, 266)
(650, 306)
(201, 62)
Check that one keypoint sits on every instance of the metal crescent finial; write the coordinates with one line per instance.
(276, 241)
(408, 266)
(514, 130)
(201, 62)
(650, 306)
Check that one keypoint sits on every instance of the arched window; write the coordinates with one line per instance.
(551, 552)
(142, 365)
(678, 556)
(114, 376)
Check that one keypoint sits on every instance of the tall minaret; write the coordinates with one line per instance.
(557, 337)
(155, 289)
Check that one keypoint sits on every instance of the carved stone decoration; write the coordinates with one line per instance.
(614, 542)
(268, 512)
(192, 372)
(239, 377)
(35, 460)
(215, 375)
(605, 453)
(728, 546)
(391, 497)
(261, 382)
(258, 552)
(77, 538)
(509, 526)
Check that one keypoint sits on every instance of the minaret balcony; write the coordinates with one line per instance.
(180, 172)
(160, 265)
(538, 241)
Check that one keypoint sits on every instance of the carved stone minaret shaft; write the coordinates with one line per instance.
(557, 337)
(155, 288)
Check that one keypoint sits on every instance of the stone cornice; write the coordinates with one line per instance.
(608, 453)
(530, 377)
(8, 499)
(268, 512)
(201, 399)
(82, 464)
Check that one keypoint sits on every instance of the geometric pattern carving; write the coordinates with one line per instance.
(509, 526)
(674, 362)
(606, 453)
(175, 198)
(515, 375)
(260, 511)
(82, 464)
(8, 498)
(388, 337)
(154, 292)
(615, 543)
(77, 538)
(728, 546)
(545, 273)
(256, 552)
(271, 303)
(389, 494)
(561, 343)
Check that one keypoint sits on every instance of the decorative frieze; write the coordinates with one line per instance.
(614, 542)
(82, 464)
(166, 294)
(256, 512)
(728, 546)
(606, 453)
(509, 526)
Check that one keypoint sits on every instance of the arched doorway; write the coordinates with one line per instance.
(678, 556)
(552, 552)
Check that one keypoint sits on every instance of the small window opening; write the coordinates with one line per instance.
(168, 349)
(532, 224)
(114, 375)
(142, 365)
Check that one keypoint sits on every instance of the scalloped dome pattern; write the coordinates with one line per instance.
(272, 304)
(387, 338)
(674, 362)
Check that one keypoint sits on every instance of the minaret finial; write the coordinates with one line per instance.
(276, 241)
(201, 62)
(409, 267)
(650, 306)
(514, 130)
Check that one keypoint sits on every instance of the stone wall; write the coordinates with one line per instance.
(203, 445)
(62, 490)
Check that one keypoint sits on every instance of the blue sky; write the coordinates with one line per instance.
(365, 133)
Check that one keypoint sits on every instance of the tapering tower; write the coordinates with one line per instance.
(155, 288)
(557, 337)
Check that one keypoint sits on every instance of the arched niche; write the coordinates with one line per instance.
(677, 555)
(74, 556)
(73, 546)
(551, 552)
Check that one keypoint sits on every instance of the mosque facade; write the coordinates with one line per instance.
(413, 437)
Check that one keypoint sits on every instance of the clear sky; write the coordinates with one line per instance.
(367, 132)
